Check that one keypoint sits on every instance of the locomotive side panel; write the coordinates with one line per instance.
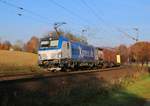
(75, 50)
(83, 54)
(66, 50)
(87, 53)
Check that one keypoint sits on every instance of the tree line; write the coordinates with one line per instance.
(138, 52)
(29, 46)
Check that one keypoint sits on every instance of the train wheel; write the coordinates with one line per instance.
(91, 66)
(68, 70)
(75, 67)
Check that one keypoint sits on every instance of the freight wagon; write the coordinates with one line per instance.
(109, 57)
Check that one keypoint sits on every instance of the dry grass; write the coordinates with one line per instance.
(18, 58)
(15, 61)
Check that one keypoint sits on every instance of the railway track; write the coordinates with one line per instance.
(34, 75)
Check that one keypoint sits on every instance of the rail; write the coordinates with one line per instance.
(34, 75)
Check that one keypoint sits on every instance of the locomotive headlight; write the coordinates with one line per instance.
(42, 56)
(59, 55)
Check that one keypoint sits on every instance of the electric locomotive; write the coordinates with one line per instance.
(58, 52)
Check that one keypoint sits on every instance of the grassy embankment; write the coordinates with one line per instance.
(141, 87)
(91, 93)
(133, 94)
(16, 62)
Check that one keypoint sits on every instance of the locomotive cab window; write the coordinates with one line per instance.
(49, 44)
(54, 43)
(44, 43)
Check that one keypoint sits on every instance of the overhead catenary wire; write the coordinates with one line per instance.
(44, 19)
(92, 10)
(108, 25)
(69, 11)
(47, 20)
(129, 36)
(100, 19)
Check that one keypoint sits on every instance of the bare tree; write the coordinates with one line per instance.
(140, 52)
(7, 45)
(18, 46)
(71, 36)
(32, 45)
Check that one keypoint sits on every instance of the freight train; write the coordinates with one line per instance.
(60, 53)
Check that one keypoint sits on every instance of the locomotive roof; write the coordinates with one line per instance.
(48, 37)
(63, 37)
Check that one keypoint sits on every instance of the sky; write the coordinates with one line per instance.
(101, 18)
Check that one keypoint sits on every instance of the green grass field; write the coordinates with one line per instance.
(141, 87)
(16, 62)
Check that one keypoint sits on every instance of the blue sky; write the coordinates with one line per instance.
(122, 14)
